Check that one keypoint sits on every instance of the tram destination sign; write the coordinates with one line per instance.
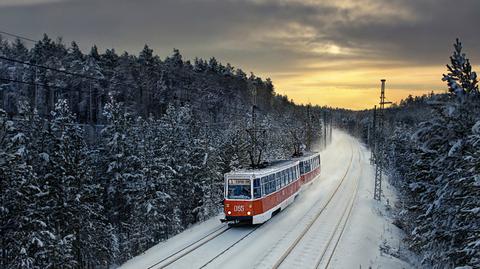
(239, 182)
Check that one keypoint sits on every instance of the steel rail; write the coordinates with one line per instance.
(188, 246)
(310, 224)
(347, 212)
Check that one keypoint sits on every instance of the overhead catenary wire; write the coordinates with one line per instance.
(68, 89)
(33, 83)
(86, 77)
(244, 113)
(81, 75)
(17, 36)
(50, 68)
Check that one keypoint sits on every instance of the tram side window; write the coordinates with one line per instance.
(306, 167)
(257, 188)
(278, 178)
(266, 181)
(290, 174)
(266, 185)
(271, 183)
(263, 182)
(302, 170)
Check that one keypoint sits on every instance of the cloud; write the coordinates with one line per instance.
(298, 39)
(12, 3)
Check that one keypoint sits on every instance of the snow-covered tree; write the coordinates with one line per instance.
(461, 79)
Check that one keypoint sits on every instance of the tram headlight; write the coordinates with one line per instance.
(249, 213)
(229, 212)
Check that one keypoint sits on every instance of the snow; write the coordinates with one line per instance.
(369, 238)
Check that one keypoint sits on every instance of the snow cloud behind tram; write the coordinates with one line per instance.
(324, 52)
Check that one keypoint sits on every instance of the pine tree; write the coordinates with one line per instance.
(460, 78)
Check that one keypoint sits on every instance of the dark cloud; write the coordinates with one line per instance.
(265, 36)
(391, 29)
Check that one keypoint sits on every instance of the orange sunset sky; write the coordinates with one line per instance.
(323, 52)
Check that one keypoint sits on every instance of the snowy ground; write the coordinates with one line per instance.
(368, 239)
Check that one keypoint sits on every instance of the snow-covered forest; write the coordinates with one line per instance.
(104, 155)
(433, 158)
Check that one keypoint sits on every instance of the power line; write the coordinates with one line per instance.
(49, 68)
(34, 84)
(98, 79)
(17, 36)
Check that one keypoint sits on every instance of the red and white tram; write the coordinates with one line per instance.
(255, 195)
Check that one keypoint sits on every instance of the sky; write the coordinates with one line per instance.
(323, 52)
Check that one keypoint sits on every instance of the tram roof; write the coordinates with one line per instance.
(272, 167)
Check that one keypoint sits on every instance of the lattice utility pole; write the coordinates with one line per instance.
(380, 145)
(373, 140)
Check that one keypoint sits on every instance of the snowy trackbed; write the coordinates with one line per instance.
(305, 235)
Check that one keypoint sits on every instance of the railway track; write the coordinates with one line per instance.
(189, 248)
(170, 260)
(231, 246)
(177, 256)
(345, 215)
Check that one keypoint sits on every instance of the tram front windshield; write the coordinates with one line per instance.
(239, 189)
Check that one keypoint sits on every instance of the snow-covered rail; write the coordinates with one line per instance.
(341, 222)
(189, 248)
(187, 253)
(231, 246)
(316, 217)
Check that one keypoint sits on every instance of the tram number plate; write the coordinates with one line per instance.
(238, 208)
